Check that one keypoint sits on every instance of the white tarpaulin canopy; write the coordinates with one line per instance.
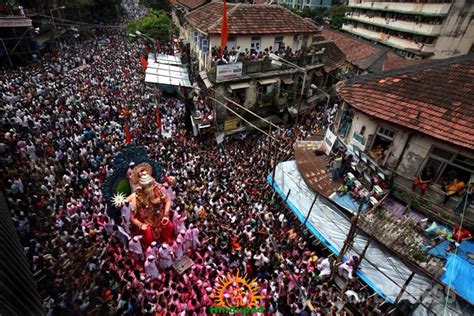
(163, 59)
(380, 269)
(168, 70)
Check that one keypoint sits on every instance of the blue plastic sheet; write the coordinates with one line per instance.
(460, 276)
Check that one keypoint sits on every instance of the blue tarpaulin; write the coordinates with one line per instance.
(347, 202)
(465, 250)
(460, 276)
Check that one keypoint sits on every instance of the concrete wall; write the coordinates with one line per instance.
(266, 41)
(457, 34)
(418, 145)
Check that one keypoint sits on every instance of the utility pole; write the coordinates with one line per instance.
(54, 23)
(7, 53)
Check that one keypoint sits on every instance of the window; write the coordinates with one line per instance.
(448, 165)
(381, 144)
(278, 44)
(239, 96)
(231, 43)
(255, 44)
(265, 92)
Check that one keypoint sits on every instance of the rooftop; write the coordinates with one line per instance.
(365, 55)
(191, 4)
(249, 19)
(334, 57)
(408, 97)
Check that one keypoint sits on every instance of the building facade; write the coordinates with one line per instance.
(18, 291)
(406, 127)
(416, 29)
(250, 77)
(311, 4)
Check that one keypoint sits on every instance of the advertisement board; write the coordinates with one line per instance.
(329, 140)
(228, 71)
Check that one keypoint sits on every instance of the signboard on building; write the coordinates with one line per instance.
(228, 72)
(231, 124)
(329, 140)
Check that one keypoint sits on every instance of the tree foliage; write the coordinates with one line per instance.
(334, 14)
(156, 24)
(157, 4)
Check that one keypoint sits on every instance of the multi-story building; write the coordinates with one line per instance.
(301, 4)
(416, 29)
(406, 124)
(18, 290)
(253, 79)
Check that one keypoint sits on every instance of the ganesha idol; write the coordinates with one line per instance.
(151, 205)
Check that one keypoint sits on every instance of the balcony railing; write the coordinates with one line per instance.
(428, 9)
(393, 41)
(399, 25)
(250, 67)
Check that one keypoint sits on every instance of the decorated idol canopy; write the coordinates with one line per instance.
(119, 182)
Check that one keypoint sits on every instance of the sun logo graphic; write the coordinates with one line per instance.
(236, 294)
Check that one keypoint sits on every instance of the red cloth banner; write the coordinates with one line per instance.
(128, 136)
(144, 63)
(224, 28)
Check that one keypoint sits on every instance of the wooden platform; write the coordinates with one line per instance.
(314, 168)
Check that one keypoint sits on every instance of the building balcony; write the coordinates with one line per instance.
(265, 67)
(15, 21)
(393, 41)
(427, 9)
(399, 25)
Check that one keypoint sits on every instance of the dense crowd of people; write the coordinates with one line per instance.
(62, 124)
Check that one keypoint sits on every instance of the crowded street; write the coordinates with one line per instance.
(130, 196)
(62, 122)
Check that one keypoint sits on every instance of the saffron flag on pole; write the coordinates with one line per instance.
(128, 136)
(158, 118)
(224, 29)
(144, 62)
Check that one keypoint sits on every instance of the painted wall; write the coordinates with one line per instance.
(457, 34)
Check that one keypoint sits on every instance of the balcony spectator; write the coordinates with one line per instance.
(424, 180)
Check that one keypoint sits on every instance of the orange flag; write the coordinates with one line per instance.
(224, 29)
(158, 118)
(128, 136)
(144, 63)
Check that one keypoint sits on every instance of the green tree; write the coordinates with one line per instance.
(337, 15)
(157, 4)
(156, 24)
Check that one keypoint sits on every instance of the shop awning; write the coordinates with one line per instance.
(288, 81)
(167, 70)
(241, 85)
(268, 81)
(163, 59)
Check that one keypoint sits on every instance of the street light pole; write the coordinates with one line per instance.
(54, 23)
(7, 53)
(301, 97)
(151, 39)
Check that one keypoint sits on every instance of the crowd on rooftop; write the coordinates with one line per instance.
(236, 54)
(61, 126)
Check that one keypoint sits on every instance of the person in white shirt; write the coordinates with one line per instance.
(324, 266)
(177, 247)
(165, 254)
(260, 260)
(125, 213)
(136, 247)
(152, 250)
(151, 269)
